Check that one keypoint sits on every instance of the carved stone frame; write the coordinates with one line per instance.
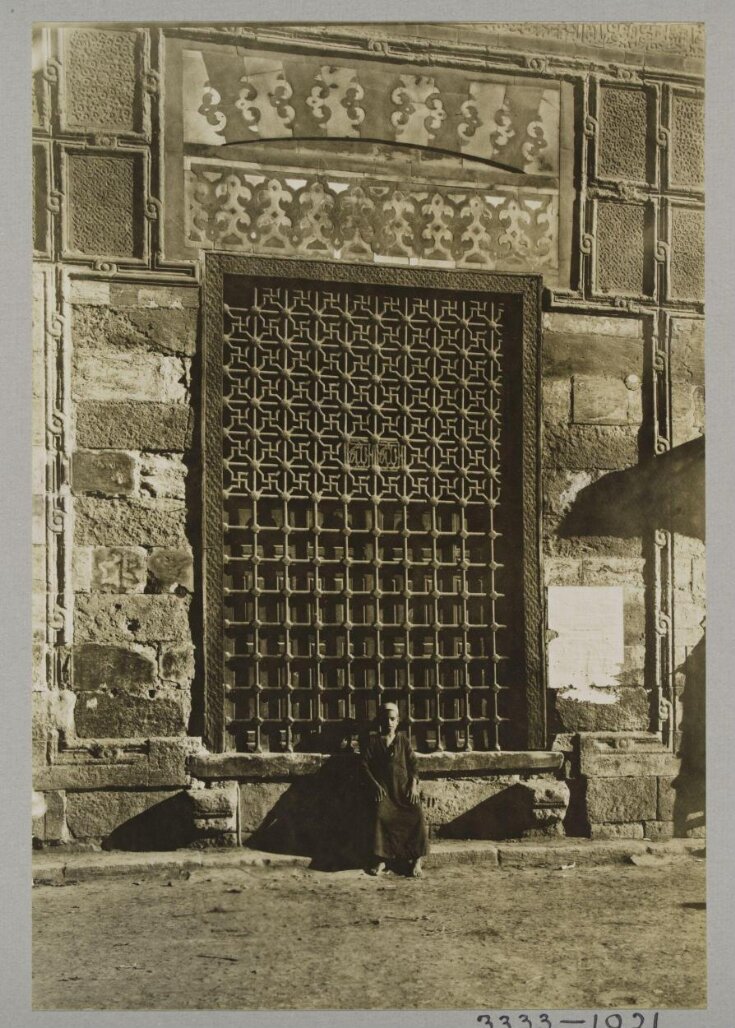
(528, 288)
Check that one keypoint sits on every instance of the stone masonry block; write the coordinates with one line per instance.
(118, 619)
(628, 763)
(215, 810)
(109, 472)
(561, 488)
(657, 830)
(130, 716)
(119, 569)
(38, 810)
(588, 447)
(167, 760)
(257, 799)
(81, 568)
(621, 830)
(582, 547)
(54, 817)
(121, 295)
(666, 798)
(111, 375)
(162, 475)
(215, 802)
(620, 326)
(565, 355)
(149, 522)
(699, 576)
(626, 571)
(556, 403)
(134, 426)
(177, 663)
(94, 815)
(158, 762)
(170, 297)
(605, 401)
(561, 571)
(168, 329)
(687, 350)
(687, 412)
(112, 667)
(621, 800)
(634, 614)
(630, 713)
(170, 570)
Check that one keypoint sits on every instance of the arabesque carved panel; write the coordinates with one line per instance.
(621, 265)
(687, 253)
(228, 98)
(687, 141)
(104, 204)
(101, 80)
(266, 210)
(623, 139)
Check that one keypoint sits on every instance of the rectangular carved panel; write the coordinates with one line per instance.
(622, 264)
(687, 141)
(622, 148)
(104, 204)
(373, 509)
(229, 97)
(687, 254)
(101, 80)
(349, 217)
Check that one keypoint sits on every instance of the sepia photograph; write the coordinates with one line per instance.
(368, 518)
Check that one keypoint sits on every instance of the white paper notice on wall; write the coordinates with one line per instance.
(586, 641)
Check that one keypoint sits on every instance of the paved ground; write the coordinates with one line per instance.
(466, 936)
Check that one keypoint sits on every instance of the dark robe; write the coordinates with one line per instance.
(399, 827)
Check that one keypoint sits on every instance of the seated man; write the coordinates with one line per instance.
(389, 769)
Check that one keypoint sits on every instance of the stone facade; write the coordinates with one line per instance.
(133, 186)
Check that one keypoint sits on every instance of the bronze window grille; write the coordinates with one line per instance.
(371, 500)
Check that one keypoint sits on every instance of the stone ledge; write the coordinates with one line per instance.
(274, 766)
(95, 764)
(625, 754)
(60, 868)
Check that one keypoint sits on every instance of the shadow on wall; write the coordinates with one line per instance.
(506, 815)
(165, 826)
(689, 805)
(325, 815)
(663, 492)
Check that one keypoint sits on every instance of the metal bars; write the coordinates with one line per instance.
(351, 582)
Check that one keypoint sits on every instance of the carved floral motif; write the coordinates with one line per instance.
(263, 99)
(334, 101)
(420, 112)
(262, 210)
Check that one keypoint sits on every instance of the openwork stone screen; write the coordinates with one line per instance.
(372, 512)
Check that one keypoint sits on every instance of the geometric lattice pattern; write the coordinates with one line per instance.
(362, 435)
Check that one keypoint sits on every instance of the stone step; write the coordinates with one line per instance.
(64, 868)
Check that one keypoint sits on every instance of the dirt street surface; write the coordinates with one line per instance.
(465, 936)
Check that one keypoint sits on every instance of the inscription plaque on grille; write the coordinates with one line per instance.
(361, 456)
(362, 436)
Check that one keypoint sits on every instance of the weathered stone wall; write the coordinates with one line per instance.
(117, 666)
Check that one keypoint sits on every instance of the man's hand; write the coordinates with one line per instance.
(379, 793)
(413, 791)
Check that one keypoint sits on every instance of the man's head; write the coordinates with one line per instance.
(388, 716)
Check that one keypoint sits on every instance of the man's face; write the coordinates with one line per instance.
(389, 718)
